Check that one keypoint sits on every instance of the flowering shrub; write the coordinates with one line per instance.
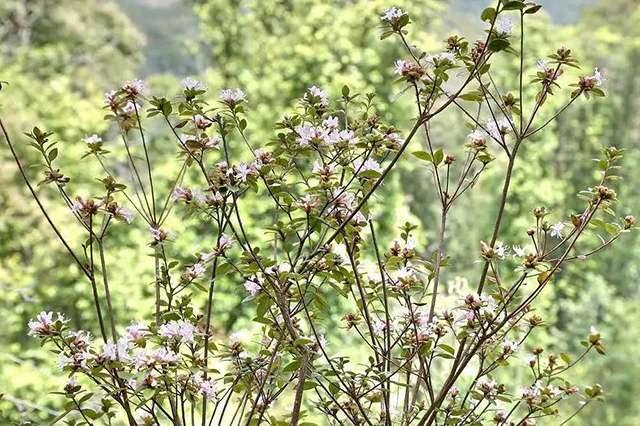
(422, 362)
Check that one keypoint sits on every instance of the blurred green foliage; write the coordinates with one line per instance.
(60, 57)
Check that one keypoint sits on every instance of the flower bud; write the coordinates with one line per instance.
(535, 320)
(629, 221)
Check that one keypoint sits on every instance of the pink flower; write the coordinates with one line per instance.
(44, 324)
(201, 121)
(180, 330)
(137, 331)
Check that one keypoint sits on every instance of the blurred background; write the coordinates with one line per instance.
(61, 56)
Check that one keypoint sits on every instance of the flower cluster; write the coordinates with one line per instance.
(318, 250)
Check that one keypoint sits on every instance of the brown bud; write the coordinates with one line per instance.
(535, 320)
(539, 212)
(629, 221)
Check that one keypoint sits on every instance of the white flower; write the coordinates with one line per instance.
(110, 98)
(44, 323)
(487, 386)
(306, 134)
(501, 250)
(400, 66)
(320, 93)
(359, 218)
(92, 140)
(212, 142)
(191, 84)
(207, 387)
(395, 139)
(131, 107)
(369, 164)
(347, 136)
(331, 122)
(323, 342)
(196, 270)
(597, 77)
(499, 128)
(230, 96)
(342, 198)
(593, 332)
(110, 351)
(556, 229)
(242, 171)
(123, 214)
(518, 251)
(160, 234)
(225, 242)
(542, 65)
(115, 351)
(181, 330)
(391, 13)
(254, 285)
(447, 56)
(379, 326)
(141, 358)
(81, 339)
(164, 355)
(64, 360)
(476, 136)
(504, 27)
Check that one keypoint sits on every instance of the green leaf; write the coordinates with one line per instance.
(533, 9)
(514, 5)
(472, 97)
(438, 156)
(498, 45)
(292, 366)
(345, 91)
(310, 385)
(611, 228)
(370, 174)
(423, 155)
(447, 348)
(488, 14)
